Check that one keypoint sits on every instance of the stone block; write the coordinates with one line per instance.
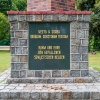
(67, 95)
(23, 26)
(79, 80)
(85, 25)
(23, 42)
(13, 17)
(75, 73)
(84, 73)
(55, 17)
(59, 81)
(38, 18)
(4, 95)
(25, 35)
(14, 58)
(56, 73)
(83, 65)
(35, 95)
(23, 74)
(63, 17)
(30, 73)
(87, 34)
(50, 81)
(73, 33)
(79, 17)
(47, 74)
(30, 17)
(74, 17)
(25, 50)
(95, 95)
(74, 49)
(18, 50)
(18, 34)
(86, 95)
(34, 81)
(12, 50)
(83, 49)
(85, 42)
(75, 57)
(52, 95)
(77, 95)
(76, 42)
(76, 25)
(42, 81)
(38, 73)
(86, 17)
(80, 33)
(69, 80)
(22, 17)
(44, 95)
(14, 26)
(14, 42)
(65, 73)
(12, 34)
(19, 66)
(14, 74)
(25, 95)
(74, 65)
(47, 17)
(58, 95)
(23, 58)
(14, 94)
(85, 57)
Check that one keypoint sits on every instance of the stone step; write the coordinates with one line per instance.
(72, 91)
(56, 80)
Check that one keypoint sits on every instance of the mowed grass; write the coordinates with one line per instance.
(94, 60)
(4, 60)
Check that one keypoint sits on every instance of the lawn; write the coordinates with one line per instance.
(94, 60)
(4, 60)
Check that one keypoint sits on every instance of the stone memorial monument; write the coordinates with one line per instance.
(49, 53)
(49, 43)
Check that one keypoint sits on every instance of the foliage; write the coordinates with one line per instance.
(93, 5)
(5, 5)
(19, 5)
(85, 4)
(4, 28)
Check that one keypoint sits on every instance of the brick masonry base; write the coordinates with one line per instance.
(81, 91)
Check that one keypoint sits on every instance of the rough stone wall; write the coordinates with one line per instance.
(50, 5)
(79, 49)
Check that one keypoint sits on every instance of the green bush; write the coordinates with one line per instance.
(4, 30)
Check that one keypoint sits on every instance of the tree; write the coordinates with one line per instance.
(94, 6)
(5, 5)
(85, 4)
(19, 5)
(4, 28)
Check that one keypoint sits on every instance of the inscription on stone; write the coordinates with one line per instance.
(49, 46)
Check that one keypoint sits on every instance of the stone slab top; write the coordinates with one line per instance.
(48, 12)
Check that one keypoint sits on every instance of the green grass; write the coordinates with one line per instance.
(94, 61)
(4, 60)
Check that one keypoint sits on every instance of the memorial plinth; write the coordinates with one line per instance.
(49, 46)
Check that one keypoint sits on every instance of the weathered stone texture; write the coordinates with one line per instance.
(75, 73)
(23, 25)
(56, 73)
(76, 57)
